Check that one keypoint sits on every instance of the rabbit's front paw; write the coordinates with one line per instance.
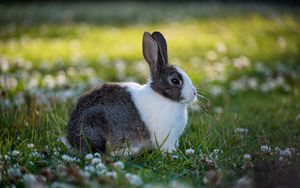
(168, 148)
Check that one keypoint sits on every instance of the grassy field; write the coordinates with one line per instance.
(244, 60)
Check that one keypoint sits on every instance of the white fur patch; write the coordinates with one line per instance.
(188, 91)
(165, 119)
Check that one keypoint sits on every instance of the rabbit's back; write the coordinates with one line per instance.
(106, 116)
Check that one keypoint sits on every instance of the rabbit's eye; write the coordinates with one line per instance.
(175, 81)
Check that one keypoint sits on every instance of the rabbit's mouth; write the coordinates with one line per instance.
(188, 101)
(189, 96)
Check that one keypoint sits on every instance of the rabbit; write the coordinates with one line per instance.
(124, 118)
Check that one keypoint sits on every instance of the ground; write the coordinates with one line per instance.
(244, 60)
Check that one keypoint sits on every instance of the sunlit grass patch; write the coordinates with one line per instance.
(196, 45)
(230, 36)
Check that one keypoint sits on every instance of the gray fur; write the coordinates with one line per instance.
(106, 118)
(164, 87)
(162, 43)
(150, 52)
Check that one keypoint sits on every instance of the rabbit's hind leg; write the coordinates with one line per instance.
(92, 128)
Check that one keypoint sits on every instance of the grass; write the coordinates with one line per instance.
(244, 59)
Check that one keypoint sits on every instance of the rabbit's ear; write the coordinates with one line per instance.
(150, 52)
(162, 44)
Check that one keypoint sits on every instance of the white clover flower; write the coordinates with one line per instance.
(260, 67)
(280, 158)
(95, 161)
(285, 153)
(111, 174)
(218, 110)
(100, 166)
(93, 82)
(141, 68)
(14, 172)
(67, 158)
(221, 47)
(19, 99)
(237, 85)
(61, 79)
(49, 81)
(286, 87)
(32, 83)
(56, 184)
(119, 165)
(241, 130)
(265, 87)
(215, 154)
(209, 161)
(30, 180)
(247, 157)
(298, 118)
(282, 43)
(292, 150)
(241, 62)
(265, 149)
(101, 172)
(98, 155)
(34, 154)
(6, 157)
(134, 179)
(216, 151)
(89, 156)
(63, 96)
(189, 151)
(56, 149)
(5, 103)
(174, 156)
(252, 83)
(88, 71)
(120, 67)
(85, 173)
(56, 153)
(205, 180)
(8, 82)
(216, 91)
(30, 145)
(279, 81)
(15, 153)
(175, 184)
(4, 65)
(89, 168)
(211, 55)
(71, 71)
